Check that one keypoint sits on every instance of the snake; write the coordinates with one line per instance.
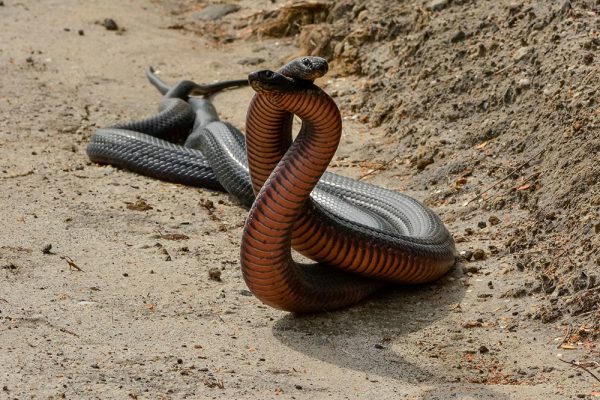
(387, 237)
(360, 235)
(152, 146)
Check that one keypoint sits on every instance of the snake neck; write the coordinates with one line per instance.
(266, 260)
(309, 155)
(268, 137)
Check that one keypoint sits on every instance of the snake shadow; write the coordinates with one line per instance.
(361, 337)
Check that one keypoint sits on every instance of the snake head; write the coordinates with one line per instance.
(272, 83)
(306, 68)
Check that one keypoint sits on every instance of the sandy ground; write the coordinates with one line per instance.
(97, 302)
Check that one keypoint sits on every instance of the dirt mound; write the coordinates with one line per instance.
(502, 98)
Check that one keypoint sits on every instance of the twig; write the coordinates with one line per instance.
(382, 166)
(569, 330)
(535, 175)
(505, 68)
(30, 172)
(576, 364)
(588, 312)
(65, 330)
(509, 174)
(71, 263)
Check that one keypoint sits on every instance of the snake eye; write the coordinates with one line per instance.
(306, 62)
(268, 74)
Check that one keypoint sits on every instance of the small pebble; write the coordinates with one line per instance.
(437, 5)
(478, 254)
(524, 83)
(483, 349)
(47, 248)
(472, 269)
(521, 53)
(215, 11)
(110, 24)
(481, 224)
(458, 37)
(251, 61)
(214, 274)
(424, 162)
(493, 220)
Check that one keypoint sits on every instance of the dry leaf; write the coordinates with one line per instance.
(174, 236)
(139, 205)
(568, 346)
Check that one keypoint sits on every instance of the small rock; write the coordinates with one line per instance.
(515, 292)
(483, 349)
(424, 162)
(588, 59)
(299, 387)
(479, 254)
(80, 32)
(95, 366)
(481, 224)
(524, 83)
(214, 274)
(251, 61)
(437, 5)
(110, 24)
(493, 220)
(208, 204)
(378, 346)
(216, 11)
(472, 269)
(458, 37)
(467, 255)
(47, 249)
(521, 53)
(245, 292)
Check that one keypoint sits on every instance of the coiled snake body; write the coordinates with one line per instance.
(359, 234)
